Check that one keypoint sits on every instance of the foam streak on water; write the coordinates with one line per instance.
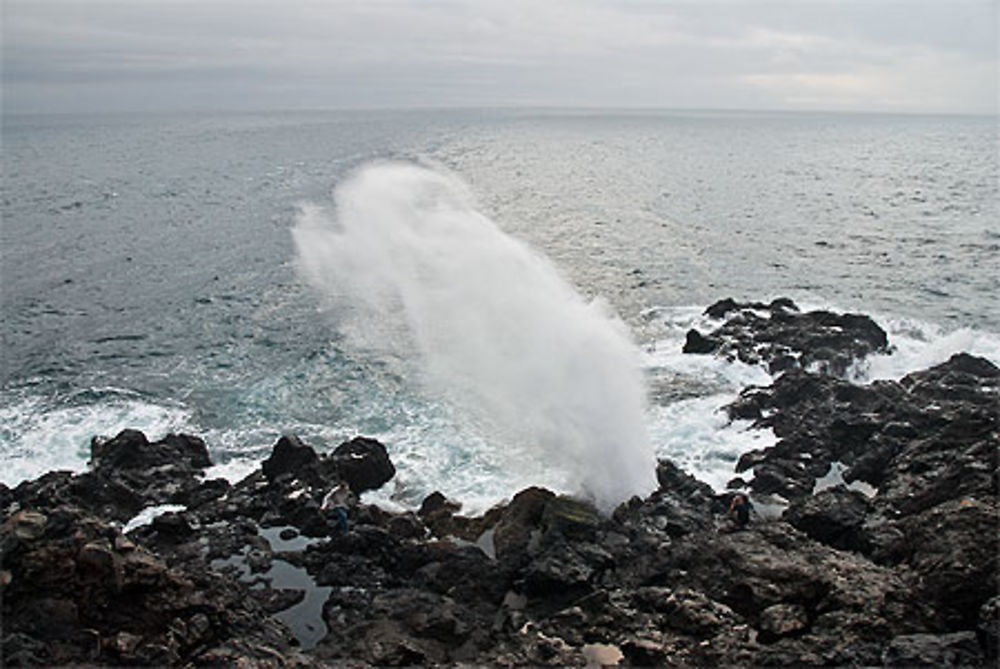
(917, 345)
(39, 435)
(408, 264)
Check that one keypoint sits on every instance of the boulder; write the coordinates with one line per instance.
(697, 343)
(291, 456)
(438, 503)
(835, 517)
(519, 520)
(406, 526)
(364, 463)
(131, 450)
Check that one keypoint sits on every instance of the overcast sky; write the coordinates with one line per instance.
(871, 55)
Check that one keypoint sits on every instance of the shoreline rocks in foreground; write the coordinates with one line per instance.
(893, 565)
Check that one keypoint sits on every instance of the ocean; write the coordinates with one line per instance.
(500, 296)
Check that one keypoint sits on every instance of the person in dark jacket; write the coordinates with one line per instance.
(739, 510)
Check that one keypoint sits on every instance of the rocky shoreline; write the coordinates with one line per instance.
(890, 562)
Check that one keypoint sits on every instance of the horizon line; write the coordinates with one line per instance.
(493, 108)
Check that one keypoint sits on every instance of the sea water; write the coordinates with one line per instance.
(168, 273)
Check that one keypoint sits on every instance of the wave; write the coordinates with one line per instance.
(40, 434)
(917, 345)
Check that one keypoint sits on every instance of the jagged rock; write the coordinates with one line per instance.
(880, 432)
(835, 516)
(691, 612)
(66, 591)
(174, 526)
(208, 491)
(438, 514)
(696, 342)
(681, 505)
(571, 518)
(724, 307)
(291, 456)
(131, 450)
(520, 519)
(406, 526)
(437, 503)
(556, 573)
(645, 653)
(364, 464)
(774, 564)
(25, 526)
(781, 620)
(675, 481)
(952, 550)
(962, 377)
(959, 649)
(128, 473)
(779, 336)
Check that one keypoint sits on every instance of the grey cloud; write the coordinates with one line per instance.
(498, 52)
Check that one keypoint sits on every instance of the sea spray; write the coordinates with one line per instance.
(412, 269)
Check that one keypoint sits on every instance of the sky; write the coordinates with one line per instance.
(911, 56)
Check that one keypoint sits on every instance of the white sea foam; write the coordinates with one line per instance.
(835, 477)
(234, 470)
(498, 332)
(39, 438)
(147, 515)
(918, 345)
(438, 452)
(697, 435)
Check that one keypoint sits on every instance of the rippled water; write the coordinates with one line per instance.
(148, 273)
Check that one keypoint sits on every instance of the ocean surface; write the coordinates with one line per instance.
(498, 296)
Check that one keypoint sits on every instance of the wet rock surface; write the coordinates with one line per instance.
(900, 571)
(782, 337)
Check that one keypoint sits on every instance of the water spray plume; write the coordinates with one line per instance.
(413, 269)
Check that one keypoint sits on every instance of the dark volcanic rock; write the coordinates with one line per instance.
(696, 342)
(364, 464)
(905, 577)
(520, 520)
(571, 518)
(988, 629)
(77, 590)
(879, 431)
(681, 505)
(781, 337)
(835, 516)
(953, 551)
(291, 456)
(960, 649)
(131, 450)
(437, 503)
(127, 474)
(929, 445)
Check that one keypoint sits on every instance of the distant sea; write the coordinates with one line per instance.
(151, 277)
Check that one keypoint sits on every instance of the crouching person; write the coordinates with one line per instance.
(335, 507)
(739, 511)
